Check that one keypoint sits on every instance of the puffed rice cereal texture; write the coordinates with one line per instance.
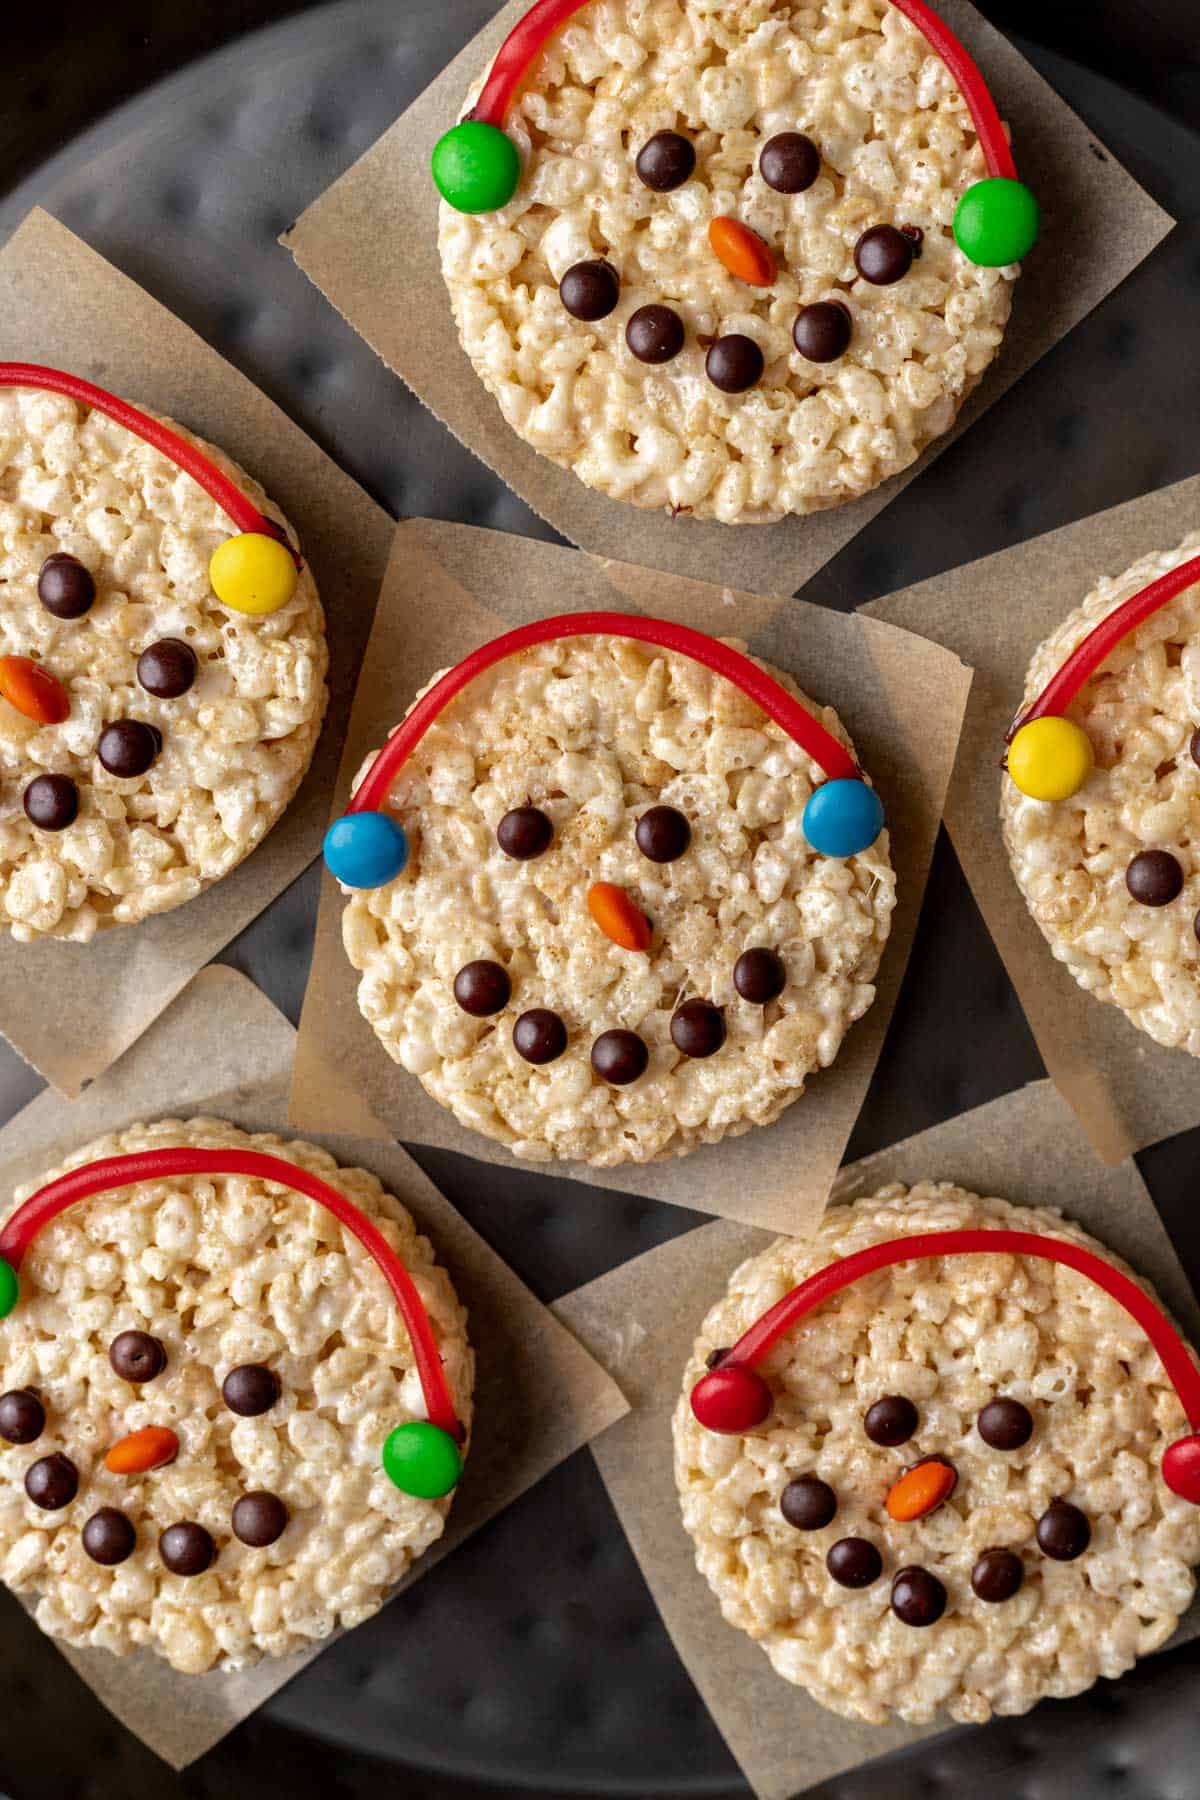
(595, 731)
(223, 1271)
(897, 147)
(235, 747)
(950, 1335)
(1070, 856)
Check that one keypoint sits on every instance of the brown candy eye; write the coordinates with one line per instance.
(918, 1598)
(883, 255)
(619, 1057)
(1063, 1532)
(187, 1549)
(662, 834)
(854, 1562)
(22, 1417)
(136, 1356)
(1154, 878)
(539, 1036)
(790, 162)
(822, 331)
(52, 1483)
(665, 161)
(808, 1503)
(482, 988)
(524, 833)
(250, 1390)
(1005, 1424)
(65, 587)
(259, 1519)
(891, 1420)
(109, 1537)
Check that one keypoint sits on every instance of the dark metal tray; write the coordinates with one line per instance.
(534, 1661)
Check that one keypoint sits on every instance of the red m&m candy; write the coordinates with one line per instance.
(1181, 1468)
(731, 1398)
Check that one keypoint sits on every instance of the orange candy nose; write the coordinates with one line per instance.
(921, 1489)
(742, 251)
(618, 917)
(33, 690)
(151, 1448)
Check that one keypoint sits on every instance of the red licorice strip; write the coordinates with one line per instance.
(779, 1320)
(530, 36)
(1083, 661)
(160, 1165)
(193, 462)
(800, 725)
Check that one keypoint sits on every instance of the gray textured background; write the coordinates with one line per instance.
(534, 1660)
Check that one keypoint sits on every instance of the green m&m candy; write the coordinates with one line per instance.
(997, 222)
(476, 167)
(9, 1288)
(422, 1459)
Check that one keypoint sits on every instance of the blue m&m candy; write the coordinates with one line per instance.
(365, 850)
(843, 817)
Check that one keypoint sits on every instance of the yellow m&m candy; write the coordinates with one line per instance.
(253, 573)
(1050, 758)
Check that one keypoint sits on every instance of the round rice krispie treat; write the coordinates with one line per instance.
(628, 923)
(150, 733)
(736, 260)
(1101, 802)
(217, 1438)
(954, 1484)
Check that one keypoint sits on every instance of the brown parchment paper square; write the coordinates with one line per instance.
(1126, 1090)
(221, 1048)
(642, 1319)
(370, 244)
(72, 1009)
(451, 587)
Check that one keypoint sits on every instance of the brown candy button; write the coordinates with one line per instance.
(1154, 877)
(883, 255)
(734, 363)
(52, 1482)
(22, 1417)
(854, 1562)
(482, 988)
(65, 587)
(1063, 1532)
(790, 162)
(259, 1519)
(619, 1057)
(109, 1537)
(136, 1356)
(918, 1598)
(822, 331)
(891, 1420)
(187, 1549)
(167, 668)
(127, 748)
(697, 1028)
(665, 161)
(250, 1390)
(759, 976)
(590, 290)
(51, 802)
(662, 834)
(524, 833)
(655, 334)
(997, 1576)
(808, 1503)
(539, 1035)
(1005, 1424)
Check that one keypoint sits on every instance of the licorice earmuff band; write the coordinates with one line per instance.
(422, 1457)
(367, 848)
(734, 1398)
(477, 167)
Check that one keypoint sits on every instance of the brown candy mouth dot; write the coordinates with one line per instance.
(790, 162)
(997, 1576)
(51, 802)
(482, 988)
(590, 290)
(1063, 1531)
(808, 1503)
(259, 1519)
(1005, 1424)
(619, 1057)
(109, 1537)
(187, 1549)
(698, 1029)
(52, 1482)
(65, 588)
(662, 834)
(854, 1562)
(883, 255)
(22, 1417)
(822, 331)
(759, 976)
(734, 363)
(127, 748)
(655, 334)
(539, 1036)
(918, 1598)
(1154, 878)
(167, 668)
